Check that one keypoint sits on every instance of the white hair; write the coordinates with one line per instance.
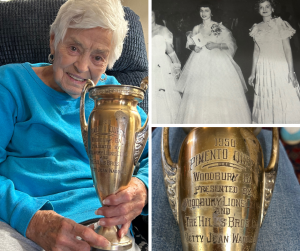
(87, 14)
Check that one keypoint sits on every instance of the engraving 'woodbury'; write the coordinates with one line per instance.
(219, 191)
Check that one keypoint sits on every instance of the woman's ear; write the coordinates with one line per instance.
(52, 47)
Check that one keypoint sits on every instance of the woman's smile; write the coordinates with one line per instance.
(265, 9)
(80, 56)
(76, 78)
(205, 13)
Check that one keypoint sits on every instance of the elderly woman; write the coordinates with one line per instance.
(46, 187)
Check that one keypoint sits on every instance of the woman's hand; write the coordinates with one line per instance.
(177, 73)
(211, 45)
(121, 208)
(53, 232)
(292, 78)
(197, 49)
(251, 80)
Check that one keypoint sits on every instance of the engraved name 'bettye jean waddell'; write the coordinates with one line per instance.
(114, 141)
(219, 191)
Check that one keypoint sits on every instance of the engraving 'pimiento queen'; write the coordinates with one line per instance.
(219, 191)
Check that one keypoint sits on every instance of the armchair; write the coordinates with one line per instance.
(24, 37)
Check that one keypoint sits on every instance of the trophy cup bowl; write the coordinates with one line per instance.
(219, 191)
(114, 141)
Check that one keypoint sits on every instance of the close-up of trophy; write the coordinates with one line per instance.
(114, 141)
(220, 190)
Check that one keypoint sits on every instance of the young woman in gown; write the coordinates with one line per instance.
(212, 84)
(166, 69)
(275, 99)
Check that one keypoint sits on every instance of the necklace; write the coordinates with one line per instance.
(266, 22)
(207, 25)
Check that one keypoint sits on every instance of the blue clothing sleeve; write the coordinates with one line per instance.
(28, 181)
(143, 169)
(14, 202)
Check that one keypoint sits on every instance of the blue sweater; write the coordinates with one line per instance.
(43, 162)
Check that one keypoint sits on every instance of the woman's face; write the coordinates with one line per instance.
(205, 13)
(265, 9)
(83, 54)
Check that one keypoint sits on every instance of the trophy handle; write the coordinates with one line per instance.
(170, 172)
(83, 124)
(141, 137)
(144, 84)
(270, 174)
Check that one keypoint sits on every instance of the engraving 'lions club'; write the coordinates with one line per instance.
(219, 191)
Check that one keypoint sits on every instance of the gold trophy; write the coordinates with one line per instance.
(219, 191)
(114, 141)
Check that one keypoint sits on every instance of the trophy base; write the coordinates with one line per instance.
(111, 234)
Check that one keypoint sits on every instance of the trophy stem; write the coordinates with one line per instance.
(111, 234)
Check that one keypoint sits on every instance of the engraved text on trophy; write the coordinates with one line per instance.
(107, 146)
(221, 196)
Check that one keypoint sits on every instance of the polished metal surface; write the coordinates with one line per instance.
(114, 141)
(219, 191)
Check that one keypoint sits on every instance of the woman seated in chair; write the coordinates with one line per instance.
(46, 187)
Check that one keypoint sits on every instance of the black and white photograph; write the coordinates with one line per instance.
(225, 62)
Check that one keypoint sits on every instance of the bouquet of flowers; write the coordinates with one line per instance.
(216, 30)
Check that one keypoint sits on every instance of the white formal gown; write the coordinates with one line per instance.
(212, 84)
(165, 100)
(275, 100)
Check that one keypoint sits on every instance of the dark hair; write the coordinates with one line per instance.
(207, 4)
(158, 17)
(272, 2)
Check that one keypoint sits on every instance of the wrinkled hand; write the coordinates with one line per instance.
(121, 208)
(292, 79)
(197, 49)
(53, 232)
(251, 80)
(211, 45)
